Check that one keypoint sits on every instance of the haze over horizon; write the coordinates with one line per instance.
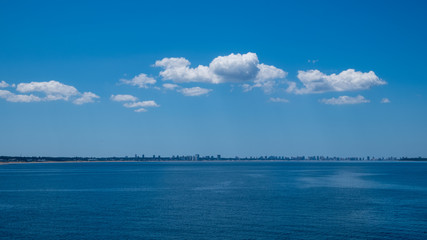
(248, 79)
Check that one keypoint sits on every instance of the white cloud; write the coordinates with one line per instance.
(315, 81)
(4, 93)
(385, 100)
(11, 97)
(4, 84)
(345, 100)
(279, 100)
(291, 87)
(170, 86)
(140, 110)
(54, 90)
(123, 98)
(141, 81)
(237, 68)
(246, 87)
(143, 104)
(131, 102)
(266, 77)
(169, 63)
(194, 91)
(86, 97)
(23, 98)
(178, 70)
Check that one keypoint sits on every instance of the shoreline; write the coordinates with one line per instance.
(213, 161)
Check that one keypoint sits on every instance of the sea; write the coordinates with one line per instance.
(214, 200)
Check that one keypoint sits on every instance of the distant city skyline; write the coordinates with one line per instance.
(249, 78)
(196, 158)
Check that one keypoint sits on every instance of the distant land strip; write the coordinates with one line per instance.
(197, 157)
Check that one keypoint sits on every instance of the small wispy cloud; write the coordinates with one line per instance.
(194, 91)
(279, 100)
(140, 110)
(342, 100)
(87, 97)
(149, 103)
(141, 81)
(170, 86)
(4, 84)
(141, 106)
(385, 100)
(132, 102)
(123, 98)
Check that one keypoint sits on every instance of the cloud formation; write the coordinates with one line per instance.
(235, 68)
(50, 91)
(342, 100)
(315, 81)
(194, 91)
(247, 71)
(141, 81)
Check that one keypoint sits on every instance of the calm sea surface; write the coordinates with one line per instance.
(214, 200)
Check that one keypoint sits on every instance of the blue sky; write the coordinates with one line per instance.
(337, 78)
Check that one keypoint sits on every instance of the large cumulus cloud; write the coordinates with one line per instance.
(239, 68)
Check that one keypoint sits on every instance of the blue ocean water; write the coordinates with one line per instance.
(214, 200)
